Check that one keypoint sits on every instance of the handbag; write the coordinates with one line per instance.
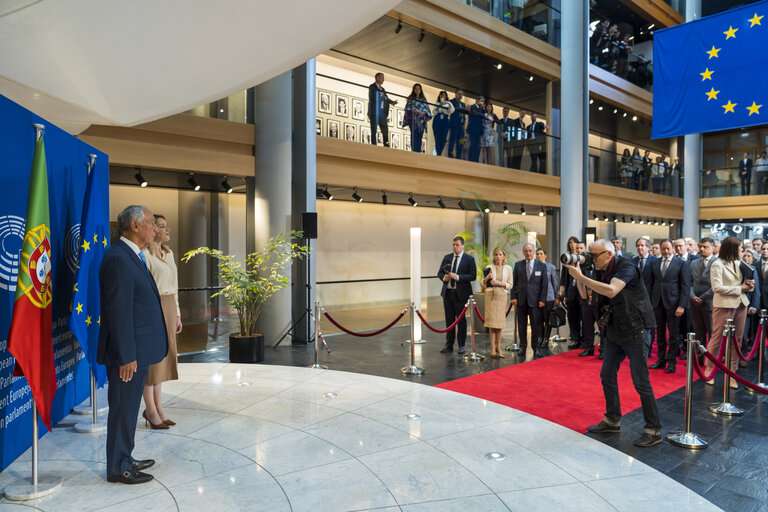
(557, 316)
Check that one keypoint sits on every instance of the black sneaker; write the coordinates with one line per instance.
(604, 428)
(647, 440)
(461, 350)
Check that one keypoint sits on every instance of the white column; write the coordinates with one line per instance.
(692, 159)
(416, 278)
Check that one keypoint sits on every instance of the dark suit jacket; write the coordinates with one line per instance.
(459, 113)
(673, 289)
(132, 327)
(762, 283)
(467, 271)
(377, 98)
(745, 167)
(646, 273)
(531, 291)
(701, 286)
(571, 290)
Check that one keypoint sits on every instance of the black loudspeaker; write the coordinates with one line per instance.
(309, 224)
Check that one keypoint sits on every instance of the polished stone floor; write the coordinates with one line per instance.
(274, 438)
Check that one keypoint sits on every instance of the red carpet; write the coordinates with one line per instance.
(563, 388)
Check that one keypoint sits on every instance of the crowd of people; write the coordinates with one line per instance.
(469, 132)
(641, 172)
(610, 49)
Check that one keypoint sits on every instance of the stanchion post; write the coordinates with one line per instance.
(761, 350)
(514, 347)
(686, 438)
(412, 369)
(95, 425)
(317, 337)
(726, 408)
(473, 356)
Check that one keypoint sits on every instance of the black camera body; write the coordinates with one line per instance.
(606, 315)
(584, 260)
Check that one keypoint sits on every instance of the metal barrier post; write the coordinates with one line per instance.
(761, 351)
(514, 347)
(686, 438)
(95, 425)
(473, 356)
(412, 369)
(726, 408)
(317, 337)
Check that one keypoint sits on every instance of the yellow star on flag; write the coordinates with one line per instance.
(104, 241)
(706, 75)
(98, 321)
(713, 52)
(729, 107)
(731, 32)
(88, 321)
(86, 245)
(75, 288)
(95, 238)
(712, 94)
(755, 20)
(79, 308)
(754, 109)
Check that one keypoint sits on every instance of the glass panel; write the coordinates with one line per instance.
(207, 322)
(715, 143)
(638, 173)
(744, 140)
(712, 160)
(231, 108)
(540, 18)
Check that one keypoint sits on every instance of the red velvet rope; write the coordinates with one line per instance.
(363, 334)
(720, 354)
(478, 314)
(755, 346)
(733, 375)
(509, 309)
(454, 324)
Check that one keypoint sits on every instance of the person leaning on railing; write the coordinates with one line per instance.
(441, 121)
(417, 114)
(625, 169)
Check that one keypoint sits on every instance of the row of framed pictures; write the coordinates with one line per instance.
(354, 132)
(359, 108)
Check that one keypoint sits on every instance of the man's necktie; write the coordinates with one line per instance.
(143, 259)
(765, 269)
(453, 270)
(642, 264)
(664, 266)
(528, 271)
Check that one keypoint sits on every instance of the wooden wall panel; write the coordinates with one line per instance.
(738, 207)
(657, 12)
(617, 91)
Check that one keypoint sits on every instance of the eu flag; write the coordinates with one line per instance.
(711, 74)
(85, 317)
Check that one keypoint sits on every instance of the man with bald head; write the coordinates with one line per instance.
(529, 295)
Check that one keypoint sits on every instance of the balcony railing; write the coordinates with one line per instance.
(539, 18)
(728, 182)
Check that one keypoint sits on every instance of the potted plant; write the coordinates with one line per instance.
(248, 288)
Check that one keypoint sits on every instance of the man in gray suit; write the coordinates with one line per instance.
(700, 304)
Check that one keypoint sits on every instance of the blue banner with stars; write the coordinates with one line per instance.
(711, 74)
(85, 317)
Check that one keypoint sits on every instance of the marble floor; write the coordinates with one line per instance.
(274, 438)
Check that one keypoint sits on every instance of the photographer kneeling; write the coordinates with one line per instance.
(625, 312)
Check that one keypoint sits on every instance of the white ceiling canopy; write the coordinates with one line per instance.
(78, 62)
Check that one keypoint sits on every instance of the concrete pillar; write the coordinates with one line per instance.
(692, 158)
(273, 115)
(574, 120)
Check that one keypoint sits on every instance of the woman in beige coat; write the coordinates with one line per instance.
(497, 284)
(730, 299)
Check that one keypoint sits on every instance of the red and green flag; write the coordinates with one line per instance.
(29, 338)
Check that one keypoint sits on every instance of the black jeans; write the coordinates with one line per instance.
(380, 123)
(746, 181)
(615, 349)
(574, 320)
(546, 313)
(453, 306)
(587, 323)
(524, 313)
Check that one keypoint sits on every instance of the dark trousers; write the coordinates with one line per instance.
(546, 326)
(453, 306)
(685, 327)
(587, 324)
(667, 321)
(417, 132)
(537, 158)
(574, 320)
(382, 123)
(524, 314)
(440, 129)
(760, 182)
(454, 145)
(614, 351)
(124, 402)
(474, 146)
(746, 181)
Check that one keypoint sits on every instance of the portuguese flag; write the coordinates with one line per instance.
(29, 338)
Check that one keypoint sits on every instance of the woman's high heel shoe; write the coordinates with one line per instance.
(170, 423)
(159, 426)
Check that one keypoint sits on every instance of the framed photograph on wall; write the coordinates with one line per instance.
(324, 102)
(379, 138)
(424, 145)
(400, 117)
(365, 134)
(407, 142)
(395, 141)
(333, 129)
(350, 132)
(342, 106)
(318, 126)
(391, 117)
(358, 109)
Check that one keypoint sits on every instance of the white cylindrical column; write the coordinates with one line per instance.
(691, 158)
(416, 278)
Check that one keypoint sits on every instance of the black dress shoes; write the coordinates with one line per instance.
(446, 350)
(600, 356)
(587, 352)
(661, 363)
(141, 465)
(573, 345)
(461, 350)
(130, 477)
(647, 440)
(604, 428)
(671, 367)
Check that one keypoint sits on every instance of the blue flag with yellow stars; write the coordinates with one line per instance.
(711, 74)
(85, 317)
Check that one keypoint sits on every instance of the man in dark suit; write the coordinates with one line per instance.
(570, 293)
(745, 174)
(529, 295)
(457, 271)
(378, 108)
(700, 307)
(670, 288)
(761, 269)
(682, 250)
(132, 336)
(642, 261)
(537, 144)
(513, 139)
(456, 126)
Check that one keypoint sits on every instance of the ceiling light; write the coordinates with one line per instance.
(594, 217)
(487, 210)
(140, 179)
(327, 194)
(530, 78)
(671, 222)
(605, 217)
(440, 202)
(624, 115)
(651, 26)
(623, 218)
(615, 219)
(642, 221)
(399, 27)
(461, 51)
(541, 212)
(615, 111)
(192, 182)
(461, 205)
(421, 35)
(632, 220)
(663, 222)
(656, 223)
(600, 107)
(498, 66)
(383, 197)
(591, 101)
(522, 210)
(506, 210)
(356, 196)
(412, 200)
(634, 118)
(443, 44)
(225, 186)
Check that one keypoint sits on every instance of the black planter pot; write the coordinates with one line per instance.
(246, 349)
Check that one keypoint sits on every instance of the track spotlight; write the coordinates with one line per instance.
(657, 222)
(634, 118)
(600, 107)
(487, 210)
(642, 221)
(671, 222)
(193, 183)
(591, 101)
(140, 179)
(399, 27)
(522, 210)
(605, 217)
(615, 219)
(461, 205)
(624, 115)
(663, 222)
(383, 197)
(632, 220)
(421, 35)
(615, 111)
(541, 212)
(461, 51)
(443, 44)
(595, 218)
(498, 66)
(327, 194)
(412, 200)
(440, 202)
(623, 219)
(225, 186)
(356, 196)
(506, 210)
(530, 78)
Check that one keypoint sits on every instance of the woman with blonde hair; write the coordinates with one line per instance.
(497, 282)
(163, 269)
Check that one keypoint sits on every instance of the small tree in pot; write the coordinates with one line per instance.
(248, 289)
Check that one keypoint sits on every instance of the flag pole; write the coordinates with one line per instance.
(22, 489)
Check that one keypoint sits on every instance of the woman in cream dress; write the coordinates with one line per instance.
(497, 284)
(163, 268)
